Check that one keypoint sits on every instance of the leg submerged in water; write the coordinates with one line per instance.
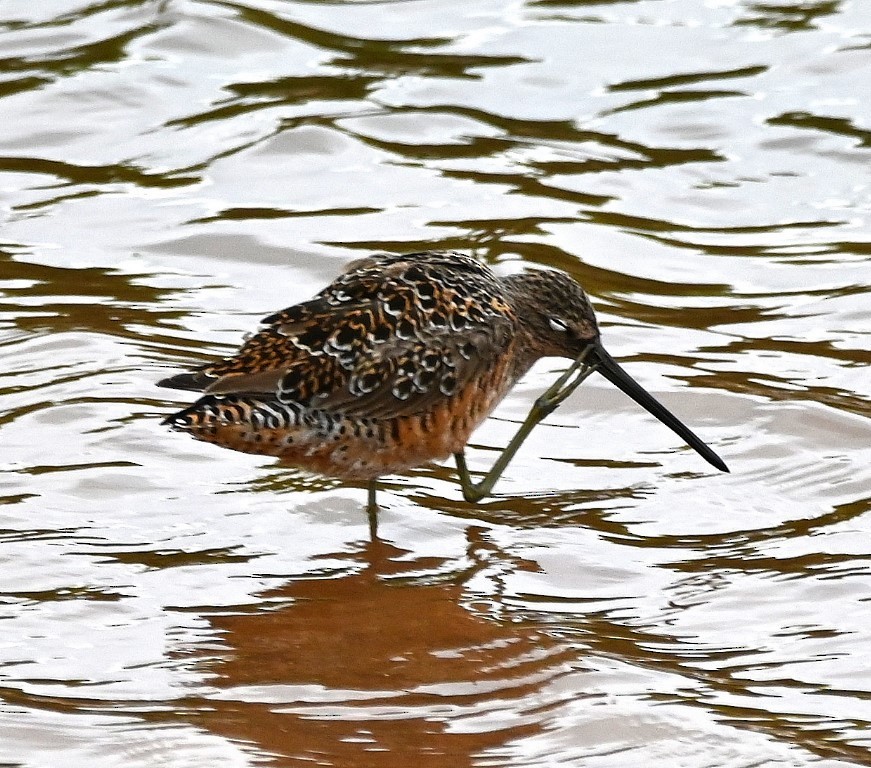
(372, 509)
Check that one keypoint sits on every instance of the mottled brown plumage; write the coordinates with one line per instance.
(393, 364)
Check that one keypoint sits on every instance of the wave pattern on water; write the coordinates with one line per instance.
(173, 170)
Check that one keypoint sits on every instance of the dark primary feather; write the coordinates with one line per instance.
(194, 381)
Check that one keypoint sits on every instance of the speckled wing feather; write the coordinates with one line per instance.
(389, 337)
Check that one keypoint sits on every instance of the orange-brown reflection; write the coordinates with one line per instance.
(380, 666)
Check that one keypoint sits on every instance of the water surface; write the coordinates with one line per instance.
(173, 171)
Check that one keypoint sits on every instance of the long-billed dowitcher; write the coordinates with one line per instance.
(396, 362)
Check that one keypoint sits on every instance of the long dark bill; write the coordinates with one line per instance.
(612, 371)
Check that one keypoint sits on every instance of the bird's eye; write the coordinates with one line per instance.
(558, 325)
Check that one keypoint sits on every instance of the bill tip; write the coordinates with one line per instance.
(721, 465)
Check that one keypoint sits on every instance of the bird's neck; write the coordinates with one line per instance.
(525, 300)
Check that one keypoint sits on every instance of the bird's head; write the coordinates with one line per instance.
(555, 313)
(558, 320)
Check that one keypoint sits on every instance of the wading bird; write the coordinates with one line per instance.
(396, 362)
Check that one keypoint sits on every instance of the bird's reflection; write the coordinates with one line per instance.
(380, 664)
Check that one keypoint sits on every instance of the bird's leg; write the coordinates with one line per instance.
(372, 509)
(557, 392)
(543, 407)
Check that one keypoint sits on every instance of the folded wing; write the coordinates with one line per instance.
(388, 338)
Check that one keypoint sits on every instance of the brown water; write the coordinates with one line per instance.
(172, 171)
